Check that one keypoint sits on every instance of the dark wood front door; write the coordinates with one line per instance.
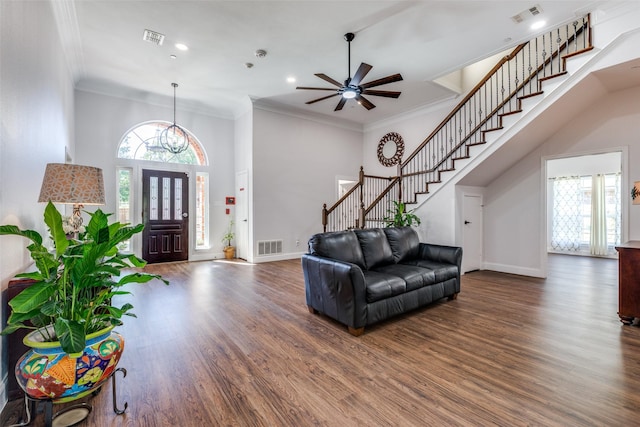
(165, 215)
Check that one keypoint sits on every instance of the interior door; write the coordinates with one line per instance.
(472, 233)
(165, 215)
(242, 215)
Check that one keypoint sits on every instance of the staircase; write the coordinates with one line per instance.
(515, 78)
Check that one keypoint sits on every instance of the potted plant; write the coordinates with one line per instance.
(399, 216)
(70, 305)
(229, 251)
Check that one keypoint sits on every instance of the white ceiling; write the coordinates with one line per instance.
(422, 40)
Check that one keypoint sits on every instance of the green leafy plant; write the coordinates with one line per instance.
(228, 235)
(76, 280)
(399, 216)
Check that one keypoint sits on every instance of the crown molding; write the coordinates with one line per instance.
(276, 107)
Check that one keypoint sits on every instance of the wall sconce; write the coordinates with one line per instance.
(72, 184)
(635, 193)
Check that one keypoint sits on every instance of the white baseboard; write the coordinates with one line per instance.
(514, 269)
(278, 257)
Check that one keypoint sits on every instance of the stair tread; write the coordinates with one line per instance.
(531, 95)
(510, 113)
(493, 129)
(553, 76)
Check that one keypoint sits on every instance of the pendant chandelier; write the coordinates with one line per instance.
(174, 139)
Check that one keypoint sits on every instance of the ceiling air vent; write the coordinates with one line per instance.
(153, 37)
(529, 13)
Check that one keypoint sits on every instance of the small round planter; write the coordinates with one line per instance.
(229, 252)
(47, 372)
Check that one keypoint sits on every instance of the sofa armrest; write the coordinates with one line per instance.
(439, 253)
(335, 288)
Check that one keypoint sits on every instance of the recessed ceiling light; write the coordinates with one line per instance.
(291, 79)
(538, 24)
(181, 46)
(172, 56)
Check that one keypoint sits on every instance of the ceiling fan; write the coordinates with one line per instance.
(352, 89)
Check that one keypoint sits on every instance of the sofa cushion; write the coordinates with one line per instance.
(340, 245)
(404, 242)
(442, 271)
(375, 248)
(415, 277)
(381, 286)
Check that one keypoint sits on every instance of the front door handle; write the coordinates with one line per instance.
(467, 222)
(185, 214)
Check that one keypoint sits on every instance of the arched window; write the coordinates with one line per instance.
(141, 143)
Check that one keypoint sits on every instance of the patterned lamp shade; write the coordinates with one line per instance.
(72, 184)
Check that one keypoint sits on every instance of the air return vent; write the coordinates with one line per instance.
(269, 247)
(153, 37)
(527, 14)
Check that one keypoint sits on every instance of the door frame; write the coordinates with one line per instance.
(470, 193)
(243, 246)
(544, 195)
(136, 167)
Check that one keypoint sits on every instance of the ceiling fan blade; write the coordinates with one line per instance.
(321, 99)
(365, 102)
(361, 72)
(316, 88)
(385, 93)
(328, 79)
(340, 104)
(383, 81)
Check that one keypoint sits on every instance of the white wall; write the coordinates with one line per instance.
(36, 112)
(296, 162)
(513, 203)
(102, 120)
(413, 128)
(590, 164)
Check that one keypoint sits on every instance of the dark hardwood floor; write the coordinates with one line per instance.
(233, 344)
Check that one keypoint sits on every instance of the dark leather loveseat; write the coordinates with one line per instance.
(360, 277)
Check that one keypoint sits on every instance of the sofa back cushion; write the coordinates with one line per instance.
(404, 242)
(340, 245)
(375, 248)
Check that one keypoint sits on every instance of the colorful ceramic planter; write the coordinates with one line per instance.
(47, 372)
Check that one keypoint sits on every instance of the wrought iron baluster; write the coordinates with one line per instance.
(559, 41)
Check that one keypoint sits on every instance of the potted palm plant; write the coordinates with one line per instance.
(399, 216)
(229, 251)
(70, 305)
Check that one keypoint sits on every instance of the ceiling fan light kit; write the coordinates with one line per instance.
(352, 87)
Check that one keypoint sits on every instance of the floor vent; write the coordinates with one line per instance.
(269, 247)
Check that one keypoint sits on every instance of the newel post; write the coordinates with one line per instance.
(360, 220)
